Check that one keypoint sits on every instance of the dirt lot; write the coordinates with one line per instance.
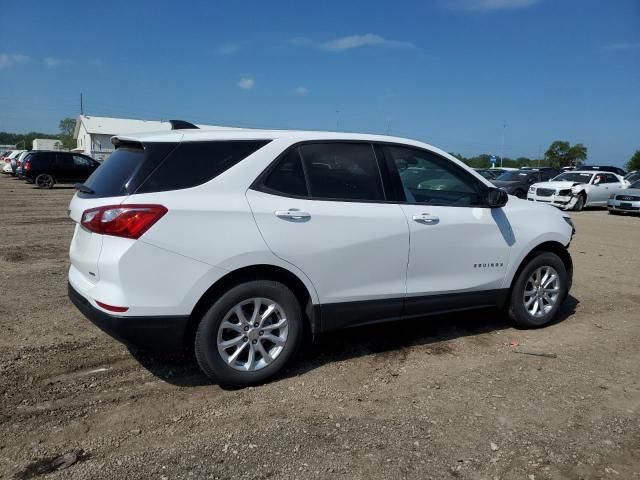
(439, 398)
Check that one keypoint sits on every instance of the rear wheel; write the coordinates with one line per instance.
(249, 334)
(44, 180)
(580, 203)
(538, 291)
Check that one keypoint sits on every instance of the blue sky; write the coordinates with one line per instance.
(449, 72)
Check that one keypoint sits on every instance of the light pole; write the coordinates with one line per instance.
(504, 127)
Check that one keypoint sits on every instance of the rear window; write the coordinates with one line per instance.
(195, 163)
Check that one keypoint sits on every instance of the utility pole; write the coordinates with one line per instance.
(504, 127)
(81, 106)
(337, 119)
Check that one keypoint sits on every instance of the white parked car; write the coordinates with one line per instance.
(574, 190)
(11, 156)
(262, 236)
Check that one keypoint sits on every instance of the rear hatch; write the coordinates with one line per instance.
(110, 184)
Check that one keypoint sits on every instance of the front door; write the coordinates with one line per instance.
(322, 209)
(459, 248)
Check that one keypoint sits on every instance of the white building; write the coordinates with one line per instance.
(47, 144)
(93, 134)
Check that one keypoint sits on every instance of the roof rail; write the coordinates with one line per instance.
(181, 125)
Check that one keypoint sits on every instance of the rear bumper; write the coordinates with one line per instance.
(158, 334)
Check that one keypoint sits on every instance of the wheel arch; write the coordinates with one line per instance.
(549, 246)
(255, 272)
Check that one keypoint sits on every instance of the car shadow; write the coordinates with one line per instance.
(55, 187)
(181, 369)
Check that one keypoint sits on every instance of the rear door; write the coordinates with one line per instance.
(322, 208)
(64, 167)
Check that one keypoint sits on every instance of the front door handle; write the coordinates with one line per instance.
(426, 218)
(292, 214)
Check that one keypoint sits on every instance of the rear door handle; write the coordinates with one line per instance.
(426, 218)
(292, 214)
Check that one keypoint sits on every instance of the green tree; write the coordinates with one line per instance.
(563, 154)
(67, 127)
(634, 162)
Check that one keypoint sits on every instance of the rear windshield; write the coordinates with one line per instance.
(156, 167)
(573, 177)
(514, 176)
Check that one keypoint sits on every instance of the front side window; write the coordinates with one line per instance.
(609, 178)
(430, 179)
(81, 161)
(342, 171)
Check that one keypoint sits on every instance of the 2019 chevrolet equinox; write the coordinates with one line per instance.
(235, 242)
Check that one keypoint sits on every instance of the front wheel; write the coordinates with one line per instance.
(579, 203)
(538, 291)
(249, 333)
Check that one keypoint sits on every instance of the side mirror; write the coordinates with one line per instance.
(496, 198)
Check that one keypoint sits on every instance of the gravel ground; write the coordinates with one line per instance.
(446, 397)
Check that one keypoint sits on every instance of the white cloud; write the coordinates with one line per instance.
(246, 83)
(352, 41)
(55, 62)
(301, 90)
(615, 47)
(228, 49)
(11, 59)
(488, 5)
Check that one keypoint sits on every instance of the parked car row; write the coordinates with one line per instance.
(45, 168)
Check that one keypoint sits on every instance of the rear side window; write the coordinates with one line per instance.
(342, 171)
(194, 163)
(111, 178)
(288, 177)
(43, 159)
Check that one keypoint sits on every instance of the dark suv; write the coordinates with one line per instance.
(517, 182)
(45, 168)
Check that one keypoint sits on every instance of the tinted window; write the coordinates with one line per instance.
(81, 161)
(41, 159)
(608, 178)
(342, 171)
(288, 176)
(429, 178)
(515, 176)
(195, 163)
(111, 178)
(64, 160)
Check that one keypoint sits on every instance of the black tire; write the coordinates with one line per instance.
(613, 212)
(45, 180)
(580, 203)
(517, 312)
(206, 348)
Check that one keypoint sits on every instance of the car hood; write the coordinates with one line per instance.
(628, 191)
(557, 184)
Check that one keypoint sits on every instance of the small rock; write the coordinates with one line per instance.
(494, 447)
(65, 461)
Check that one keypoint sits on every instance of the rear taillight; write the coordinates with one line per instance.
(27, 165)
(128, 221)
(17, 163)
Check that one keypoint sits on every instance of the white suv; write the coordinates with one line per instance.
(236, 243)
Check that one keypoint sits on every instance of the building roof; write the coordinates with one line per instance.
(120, 126)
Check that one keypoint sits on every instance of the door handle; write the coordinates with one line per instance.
(426, 218)
(292, 214)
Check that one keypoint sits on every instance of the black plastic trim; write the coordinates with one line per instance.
(158, 334)
(335, 316)
(182, 125)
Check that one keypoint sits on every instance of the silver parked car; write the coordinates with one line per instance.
(625, 200)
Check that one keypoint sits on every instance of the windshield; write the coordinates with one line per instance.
(514, 176)
(573, 177)
(635, 184)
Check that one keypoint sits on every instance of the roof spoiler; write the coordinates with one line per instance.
(181, 125)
